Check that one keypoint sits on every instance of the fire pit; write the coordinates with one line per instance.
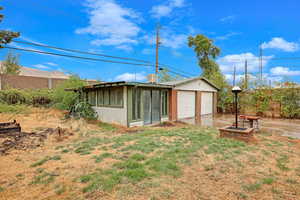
(244, 134)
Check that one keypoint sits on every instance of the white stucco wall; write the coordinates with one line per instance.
(113, 115)
(196, 85)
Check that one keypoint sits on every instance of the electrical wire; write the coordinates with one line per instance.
(78, 57)
(97, 54)
(81, 52)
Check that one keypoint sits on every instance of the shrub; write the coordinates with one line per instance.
(64, 99)
(14, 96)
(83, 110)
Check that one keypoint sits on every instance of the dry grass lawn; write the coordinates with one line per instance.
(101, 161)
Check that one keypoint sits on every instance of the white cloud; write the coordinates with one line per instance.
(228, 62)
(131, 77)
(227, 36)
(51, 64)
(228, 19)
(41, 66)
(112, 24)
(124, 47)
(281, 44)
(284, 71)
(165, 10)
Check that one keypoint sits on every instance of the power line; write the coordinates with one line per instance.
(78, 57)
(97, 54)
(81, 52)
(173, 72)
(86, 58)
(263, 58)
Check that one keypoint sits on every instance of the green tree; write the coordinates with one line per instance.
(206, 52)
(6, 36)
(10, 65)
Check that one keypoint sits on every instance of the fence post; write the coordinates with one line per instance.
(49, 83)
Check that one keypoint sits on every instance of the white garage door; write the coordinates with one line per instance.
(186, 104)
(206, 103)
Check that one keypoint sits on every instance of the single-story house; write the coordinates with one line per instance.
(137, 104)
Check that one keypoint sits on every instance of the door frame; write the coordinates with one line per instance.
(151, 107)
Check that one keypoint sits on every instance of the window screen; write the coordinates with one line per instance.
(92, 98)
(164, 103)
(136, 103)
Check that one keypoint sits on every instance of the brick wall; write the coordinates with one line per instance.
(28, 82)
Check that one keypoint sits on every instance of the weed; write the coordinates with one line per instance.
(44, 160)
(241, 195)
(89, 145)
(268, 181)
(107, 127)
(164, 166)
(101, 157)
(138, 157)
(275, 190)
(44, 178)
(208, 167)
(20, 176)
(291, 181)
(60, 189)
(252, 187)
(281, 162)
(1, 189)
(65, 151)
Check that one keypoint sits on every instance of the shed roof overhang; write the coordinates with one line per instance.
(120, 83)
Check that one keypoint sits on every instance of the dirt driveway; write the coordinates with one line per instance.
(285, 127)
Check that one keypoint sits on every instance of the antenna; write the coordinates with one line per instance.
(158, 27)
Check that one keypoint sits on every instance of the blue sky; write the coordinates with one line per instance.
(127, 28)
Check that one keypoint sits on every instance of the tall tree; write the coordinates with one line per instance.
(206, 52)
(11, 64)
(6, 36)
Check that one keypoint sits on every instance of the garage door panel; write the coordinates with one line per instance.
(206, 103)
(186, 104)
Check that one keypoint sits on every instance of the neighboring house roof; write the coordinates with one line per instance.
(26, 71)
(187, 80)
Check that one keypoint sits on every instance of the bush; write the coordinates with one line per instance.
(14, 96)
(64, 100)
(83, 110)
(29, 97)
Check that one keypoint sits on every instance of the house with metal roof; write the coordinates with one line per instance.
(137, 104)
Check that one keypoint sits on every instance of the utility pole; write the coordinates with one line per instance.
(157, 46)
(246, 75)
(234, 71)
